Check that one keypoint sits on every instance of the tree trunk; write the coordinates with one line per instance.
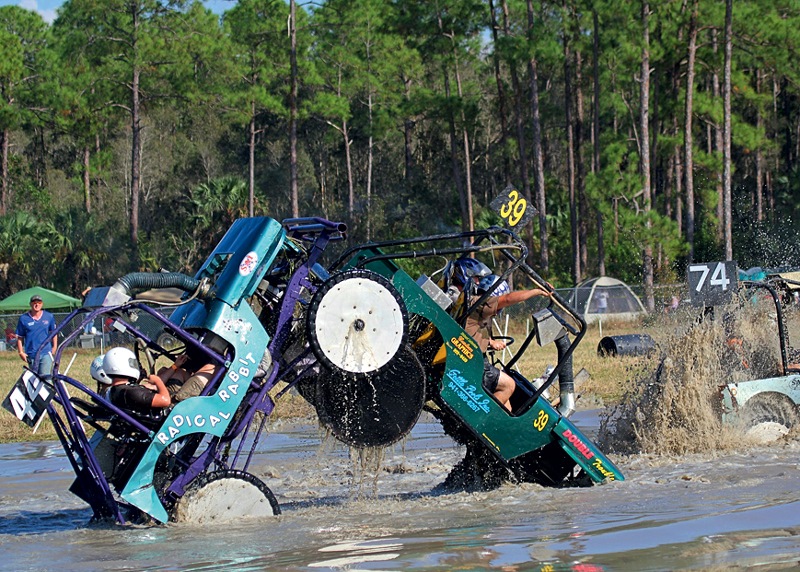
(570, 127)
(601, 251)
(759, 190)
(520, 124)
(462, 199)
(252, 160)
(538, 167)
(501, 97)
(726, 150)
(465, 135)
(688, 142)
(4, 189)
(369, 166)
(100, 203)
(293, 109)
(645, 155)
(718, 136)
(87, 197)
(580, 166)
(538, 158)
(136, 148)
(351, 195)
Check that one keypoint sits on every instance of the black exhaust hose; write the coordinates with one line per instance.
(156, 280)
(566, 379)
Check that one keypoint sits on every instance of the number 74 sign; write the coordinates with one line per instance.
(712, 283)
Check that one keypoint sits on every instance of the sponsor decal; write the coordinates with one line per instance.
(463, 347)
(238, 327)
(249, 263)
(576, 442)
(468, 393)
(601, 468)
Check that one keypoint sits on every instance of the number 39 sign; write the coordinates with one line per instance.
(712, 283)
(513, 208)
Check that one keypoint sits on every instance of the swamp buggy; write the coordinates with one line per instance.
(763, 395)
(368, 346)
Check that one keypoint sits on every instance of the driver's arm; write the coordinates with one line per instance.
(162, 398)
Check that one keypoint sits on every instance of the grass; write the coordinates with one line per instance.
(606, 384)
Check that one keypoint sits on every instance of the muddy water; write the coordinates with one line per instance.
(704, 511)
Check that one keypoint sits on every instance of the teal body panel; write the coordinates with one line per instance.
(247, 250)
(239, 263)
(461, 388)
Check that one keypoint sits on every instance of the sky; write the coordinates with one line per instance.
(47, 8)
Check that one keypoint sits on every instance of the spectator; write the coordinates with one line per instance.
(33, 329)
(674, 303)
(602, 302)
(11, 336)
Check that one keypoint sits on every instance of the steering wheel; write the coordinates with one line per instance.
(494, 359)
(507, 339)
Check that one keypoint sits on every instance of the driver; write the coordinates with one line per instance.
(478, 325)
(97, 373)
(185, 378)
(122, 367)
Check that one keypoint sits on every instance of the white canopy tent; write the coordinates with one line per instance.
(603, 296)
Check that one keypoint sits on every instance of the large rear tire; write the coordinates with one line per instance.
(371, 386)
(373, 410)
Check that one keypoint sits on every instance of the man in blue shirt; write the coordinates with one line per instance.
(32, 330)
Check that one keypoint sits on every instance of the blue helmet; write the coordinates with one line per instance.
(464, 269)
(489, 281)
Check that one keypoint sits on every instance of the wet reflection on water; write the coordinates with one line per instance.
(703, 511)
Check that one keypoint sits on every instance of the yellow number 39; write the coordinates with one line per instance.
(513, 210)
(541, 421)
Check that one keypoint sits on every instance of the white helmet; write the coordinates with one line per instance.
(97, 372)
(121, 362)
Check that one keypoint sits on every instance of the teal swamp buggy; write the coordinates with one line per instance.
(759, 316)
(369, 346)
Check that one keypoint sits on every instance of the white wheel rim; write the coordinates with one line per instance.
(359, 325)
(224, 500)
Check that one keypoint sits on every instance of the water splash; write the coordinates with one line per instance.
(674, 406)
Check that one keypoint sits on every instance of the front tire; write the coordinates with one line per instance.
(768, 417)
(225, 496)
